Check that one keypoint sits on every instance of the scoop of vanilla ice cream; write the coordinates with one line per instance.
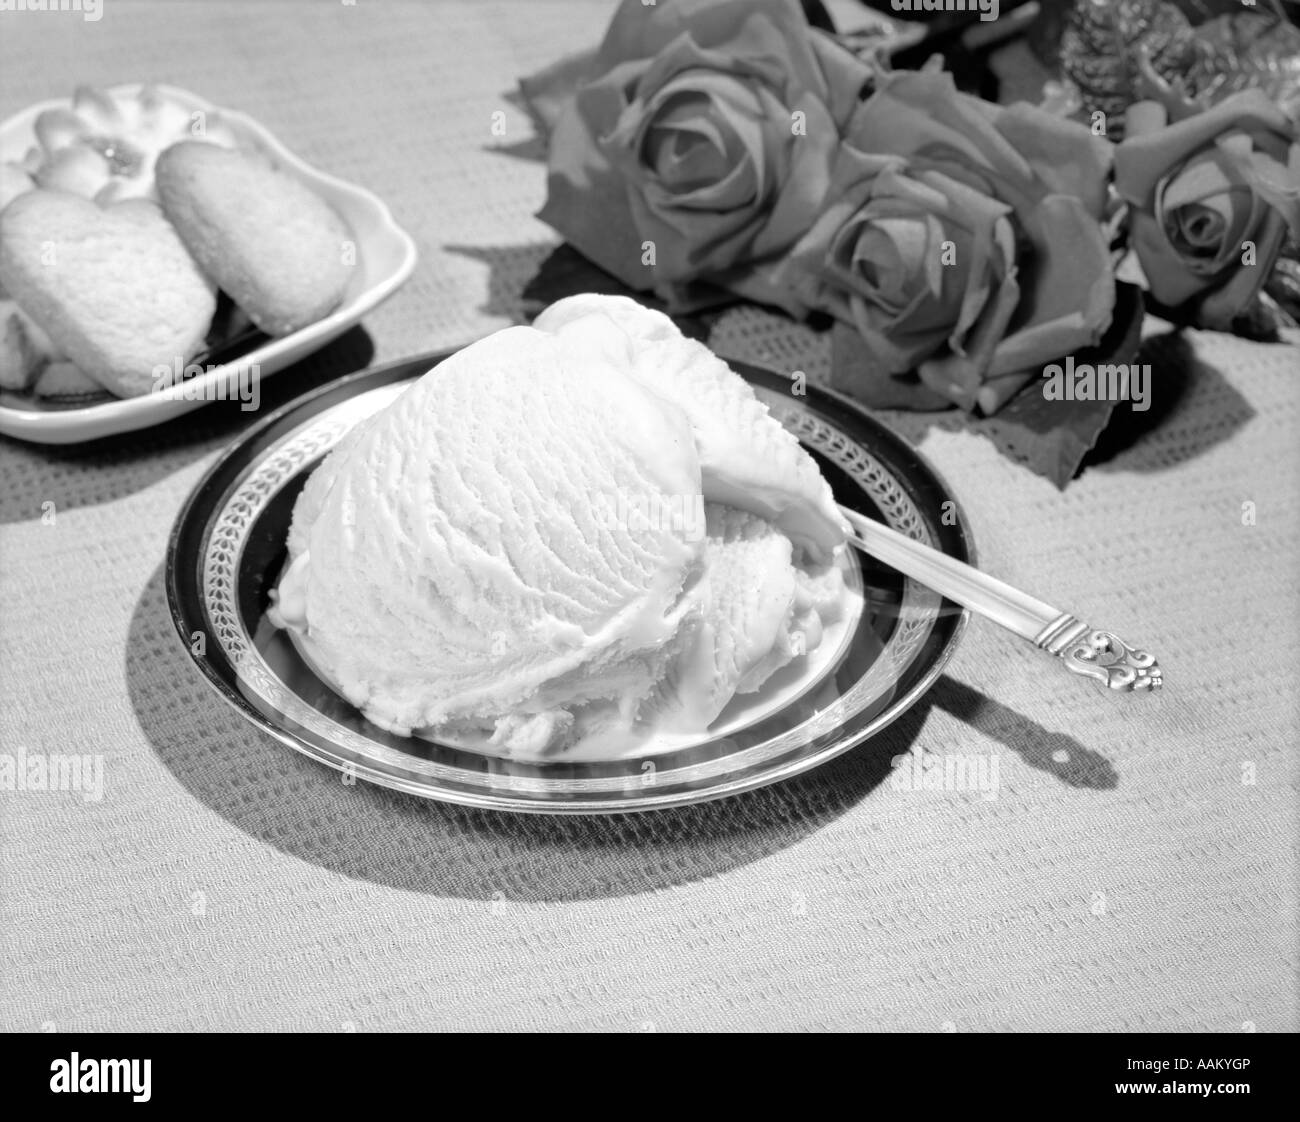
(465, 547)
(518, 545)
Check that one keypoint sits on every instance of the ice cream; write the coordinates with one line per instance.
(587, 525)
(747, 459)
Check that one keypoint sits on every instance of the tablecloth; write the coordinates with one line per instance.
(1135, 868)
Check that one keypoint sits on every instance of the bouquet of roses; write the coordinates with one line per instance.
(713, 150)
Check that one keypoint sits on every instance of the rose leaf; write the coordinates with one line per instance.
(1051, 438)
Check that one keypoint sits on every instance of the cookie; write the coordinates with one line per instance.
(281, 252)
(114, 287)
(14, 181)
(104, 144)
(62, 381)
(24, 348)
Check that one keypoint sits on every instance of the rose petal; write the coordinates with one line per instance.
(1206, 209)
(807, 179)
(855, 370)
(986, 255)
(993, 270)
(586, 197)
(845, 77)
(1208, 241)
(1068, 286)
(729, 112)
(805, 268)
(959, 375)
(996, 392)
(915, 114)
(1066, 157)
(891, 351)
(1168, 277)
(684, 148)
(677, 112)
(686, 239)
(923, 117)
(1202, 177)
(1220, 307)
(1145, 117)
(1142, 160)
(774, 33)
(1278, 184)
(685, 162)
(921, 308)
(1197, 231)
(889, 253)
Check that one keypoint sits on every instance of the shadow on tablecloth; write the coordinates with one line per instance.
(101, 471)
(510, 268)
(370, 833)
(1193, 409)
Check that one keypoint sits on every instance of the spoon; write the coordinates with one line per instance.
(1094, 654)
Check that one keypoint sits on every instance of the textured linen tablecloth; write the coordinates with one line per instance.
(1136, 869)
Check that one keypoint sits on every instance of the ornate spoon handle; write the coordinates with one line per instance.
(1094, 654)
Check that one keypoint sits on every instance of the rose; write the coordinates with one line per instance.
(699, 145)
(1212, 196)
(962, 241)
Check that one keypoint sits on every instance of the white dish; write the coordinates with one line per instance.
(385, 256)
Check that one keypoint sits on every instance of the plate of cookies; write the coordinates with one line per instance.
(157, 253)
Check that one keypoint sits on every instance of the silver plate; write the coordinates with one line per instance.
(227, 549)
